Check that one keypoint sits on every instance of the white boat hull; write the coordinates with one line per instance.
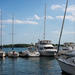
(68, 68)
(13, 55)
(47, 53)
(33, 54)
(2, 54)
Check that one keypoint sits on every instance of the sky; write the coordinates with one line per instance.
(29, 20)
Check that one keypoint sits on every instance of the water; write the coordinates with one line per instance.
(16, 49)
(29, 66)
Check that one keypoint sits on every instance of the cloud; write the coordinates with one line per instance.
(70, 9)
(49, 17)
(54, 7)
(70, 33)
(68, 17)
(9, 21)
(64, 32)
(36, 17)
(30, 22)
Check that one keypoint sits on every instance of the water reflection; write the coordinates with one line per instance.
(1, 65)
(44, 66)
(29, 66)
(13, 66)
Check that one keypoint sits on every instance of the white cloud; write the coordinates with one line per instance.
(59, 17)
(29, 18)
(54, 7)
(70, 33)
(19, 21)
(64, 32)
(49, 17)
(36, 17)
(70, 9)
(30, 22)
(68, 17)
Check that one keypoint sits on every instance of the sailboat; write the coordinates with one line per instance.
(66, 61)
(2, 53)
(45, 47)
(13, 53)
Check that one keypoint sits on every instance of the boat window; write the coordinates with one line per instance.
(45, 42)
(41, 48)
(48, 47)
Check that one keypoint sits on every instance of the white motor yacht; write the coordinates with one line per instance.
(45, 48)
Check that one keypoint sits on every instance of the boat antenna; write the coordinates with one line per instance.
(1, 28)
(62, 25)
(44, 22)
(12, 32)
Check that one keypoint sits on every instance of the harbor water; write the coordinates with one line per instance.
(29, 66)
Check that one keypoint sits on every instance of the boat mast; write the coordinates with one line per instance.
(12, 32)
(62, 25)
(44, 22)
(1, 28)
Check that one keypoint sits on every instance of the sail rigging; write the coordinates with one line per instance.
(45, 22)
(1, 29)
(12, 32)
(62, 25)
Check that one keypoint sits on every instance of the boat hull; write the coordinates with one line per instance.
(22, 54)
(33, 54)
(2, 54)
(68, 68)
(47, 53)
(13, 54)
